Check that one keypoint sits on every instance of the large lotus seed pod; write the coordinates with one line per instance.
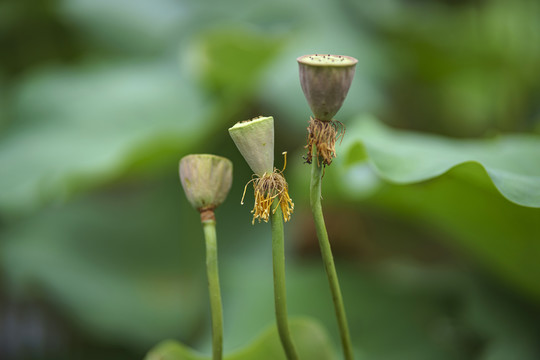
(206, 179)
(326, 80)
(255, 140)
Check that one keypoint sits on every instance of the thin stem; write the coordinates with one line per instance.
(280, 297)
(328, 259)
(209, 227)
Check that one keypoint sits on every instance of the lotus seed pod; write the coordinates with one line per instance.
(255, 140)
(325, 81)
(206, 180)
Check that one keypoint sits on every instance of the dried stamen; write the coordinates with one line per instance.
(267, 188)
(323, 134)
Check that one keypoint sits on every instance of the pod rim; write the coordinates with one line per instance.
(244, 123)
(337, 60)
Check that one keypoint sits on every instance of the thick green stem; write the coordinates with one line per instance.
(328, 259)
(209, 227)
(280, 297)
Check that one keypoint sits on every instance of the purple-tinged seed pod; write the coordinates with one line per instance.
(325, 81)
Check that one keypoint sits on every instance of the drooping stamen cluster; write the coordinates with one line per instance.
(323, 134)
(267, 188)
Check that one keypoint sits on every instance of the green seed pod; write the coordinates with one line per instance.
(206, 180)
(325, 81)
(255, 140)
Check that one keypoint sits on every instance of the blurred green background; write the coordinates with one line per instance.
(101, 256)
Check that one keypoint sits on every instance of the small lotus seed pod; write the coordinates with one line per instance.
(325, 81)
(206, 180)
(255, 140)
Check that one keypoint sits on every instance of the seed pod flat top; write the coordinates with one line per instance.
(206, 179)
(327, 60)
(325, 81)
(255, 140)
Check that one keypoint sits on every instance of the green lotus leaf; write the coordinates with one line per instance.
(311, 340)
(512, 162)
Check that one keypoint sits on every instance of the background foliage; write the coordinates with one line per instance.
(433, 209)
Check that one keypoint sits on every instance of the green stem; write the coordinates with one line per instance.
(280, 297)
(328, 259)
(209, 227)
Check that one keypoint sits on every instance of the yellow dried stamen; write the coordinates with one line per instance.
(323, 134)
(267, 188)
(287, 205)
